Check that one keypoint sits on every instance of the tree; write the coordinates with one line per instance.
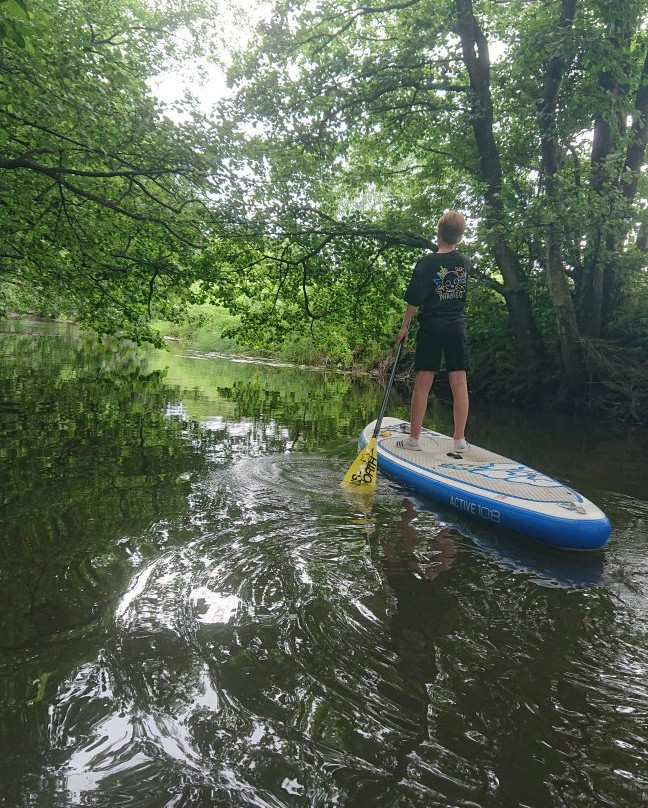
(405, 99)
(616, 160)
(102, 197)
(305, 200)
(550, 158)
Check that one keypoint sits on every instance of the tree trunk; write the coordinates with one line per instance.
(609, 129)
(573, 361)
(477, 61)
(642, 237)
(629, 181)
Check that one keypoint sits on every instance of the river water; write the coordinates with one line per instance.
(193, 613)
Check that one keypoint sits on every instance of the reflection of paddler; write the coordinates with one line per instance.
(414, 635)
(398, 559)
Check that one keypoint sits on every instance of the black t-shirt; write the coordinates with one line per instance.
(438, 288)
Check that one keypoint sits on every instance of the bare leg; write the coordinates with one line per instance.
(459, 387)
(422, 386)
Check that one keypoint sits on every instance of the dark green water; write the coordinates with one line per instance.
(192, 613)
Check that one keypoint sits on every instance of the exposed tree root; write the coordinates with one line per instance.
(617, 388)
(618, 380)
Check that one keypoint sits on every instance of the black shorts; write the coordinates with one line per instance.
(430, 345)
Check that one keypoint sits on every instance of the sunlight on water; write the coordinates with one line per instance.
(214, 607)
(196, 614)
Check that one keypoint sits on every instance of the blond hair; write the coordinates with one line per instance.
(451, 226)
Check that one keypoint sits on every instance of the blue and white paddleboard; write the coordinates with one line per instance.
(492, 488)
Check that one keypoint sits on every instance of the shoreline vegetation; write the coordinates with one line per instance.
(617, 392)
(209, 329)
(617, 388)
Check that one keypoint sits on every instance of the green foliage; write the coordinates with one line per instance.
(15, 28)
(204, 328)
(364, 123)
(335, 297)
(632, 317)
(302, 206)
(101, 195)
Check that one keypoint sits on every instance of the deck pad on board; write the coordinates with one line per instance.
(478, 467)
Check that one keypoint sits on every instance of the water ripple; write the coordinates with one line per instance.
(306, 649)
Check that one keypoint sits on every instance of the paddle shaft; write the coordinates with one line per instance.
(388, 389)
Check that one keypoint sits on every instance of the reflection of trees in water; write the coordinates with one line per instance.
(88, 457)
(317, 408)
(520, 686)
(255, 667)
(459, 682)
(88, 461)
(240, 672)
(313, 410)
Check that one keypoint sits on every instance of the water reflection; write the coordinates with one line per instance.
(195, 614)
(290, 688)
(403, 557)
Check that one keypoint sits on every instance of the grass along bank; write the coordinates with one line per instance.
(211, 329)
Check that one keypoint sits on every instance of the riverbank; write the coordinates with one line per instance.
(616, 392)
(210, 330)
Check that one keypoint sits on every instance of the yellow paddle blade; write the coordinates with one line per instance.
(363, 472)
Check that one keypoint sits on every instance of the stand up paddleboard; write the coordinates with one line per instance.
(492, 488)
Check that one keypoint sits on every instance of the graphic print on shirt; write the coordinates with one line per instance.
(451, 283)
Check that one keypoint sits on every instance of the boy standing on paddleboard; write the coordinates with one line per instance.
(438, 290)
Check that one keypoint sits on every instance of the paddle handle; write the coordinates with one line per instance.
(388, 389)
